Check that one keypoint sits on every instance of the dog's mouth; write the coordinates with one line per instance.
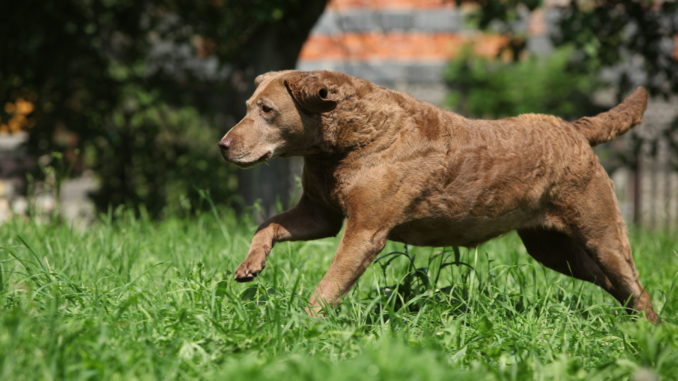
(248, 164)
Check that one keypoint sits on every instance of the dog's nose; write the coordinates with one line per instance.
(224, 144)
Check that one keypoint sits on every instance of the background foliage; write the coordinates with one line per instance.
(490, 88)
(141, 91)
(629, 36)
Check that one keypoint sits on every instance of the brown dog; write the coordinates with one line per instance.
(397, 168)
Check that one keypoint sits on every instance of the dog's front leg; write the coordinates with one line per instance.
(358, 248)
(306, 221)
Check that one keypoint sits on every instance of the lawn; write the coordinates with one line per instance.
(130, 298)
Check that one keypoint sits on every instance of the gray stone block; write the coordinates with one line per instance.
(444, 20)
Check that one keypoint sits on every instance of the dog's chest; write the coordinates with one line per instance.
(321, 182)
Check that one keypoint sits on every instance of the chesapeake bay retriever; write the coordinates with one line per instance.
(397, 168)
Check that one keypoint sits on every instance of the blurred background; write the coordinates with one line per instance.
(121, 102)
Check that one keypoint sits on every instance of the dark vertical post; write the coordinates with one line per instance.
(654, 190)
(268, 184)
(274, 46)
(637, 189)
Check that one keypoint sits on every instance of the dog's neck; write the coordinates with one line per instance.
(357, 125)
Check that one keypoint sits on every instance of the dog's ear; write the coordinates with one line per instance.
(311, 91)
(262, 77)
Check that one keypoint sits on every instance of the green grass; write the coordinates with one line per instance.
(134, 299)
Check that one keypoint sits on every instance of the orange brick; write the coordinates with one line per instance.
(397, 46)
(537, 25)
(389, 4)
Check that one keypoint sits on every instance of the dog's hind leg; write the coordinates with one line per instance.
(609, 249)
(566, 255)
(593, 220)
(559, 252)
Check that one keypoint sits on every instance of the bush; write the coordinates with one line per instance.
(484, 88)
(157, 156)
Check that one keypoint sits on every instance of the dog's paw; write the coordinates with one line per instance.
(315, 311)
(249, 269)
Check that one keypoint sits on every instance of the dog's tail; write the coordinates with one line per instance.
(621, 118)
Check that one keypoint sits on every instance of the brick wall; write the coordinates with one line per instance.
(401, 44)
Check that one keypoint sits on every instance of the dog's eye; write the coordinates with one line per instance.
(266, 109)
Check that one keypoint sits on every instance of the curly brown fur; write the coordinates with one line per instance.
(397, 168)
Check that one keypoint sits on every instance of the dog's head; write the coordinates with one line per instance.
(283, 117)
